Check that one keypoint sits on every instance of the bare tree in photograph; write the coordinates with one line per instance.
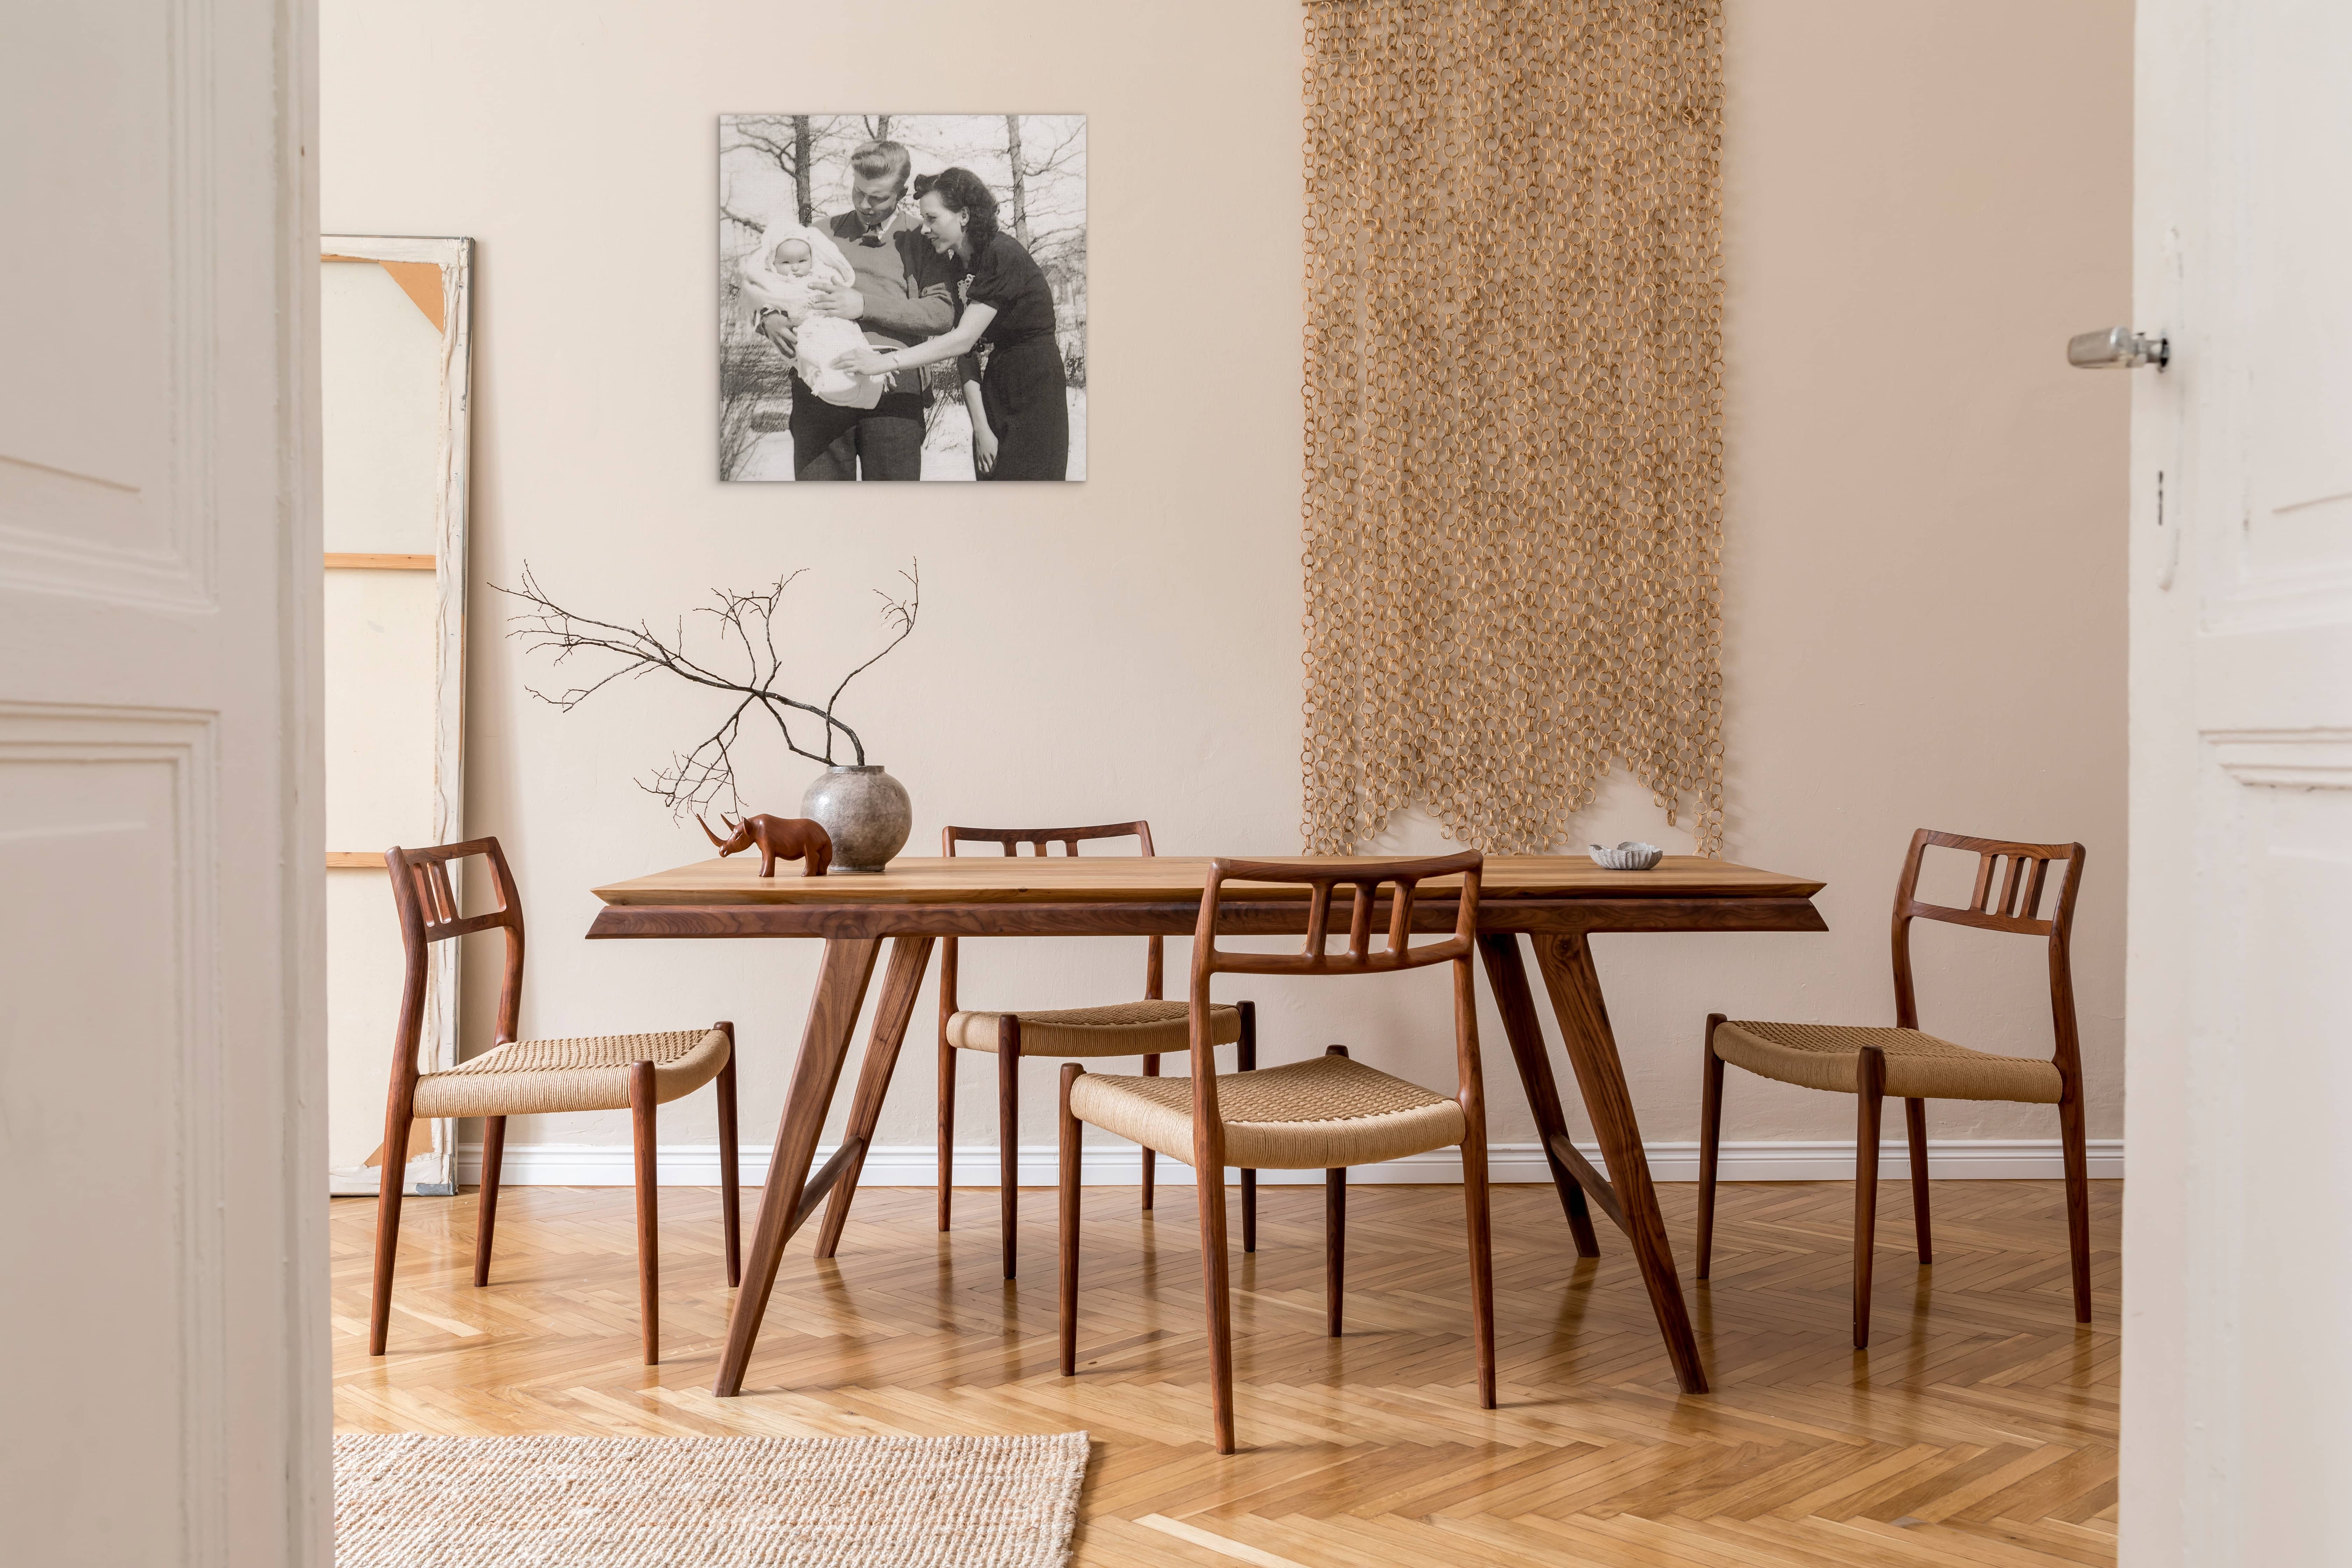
(1019, 188)
(1029, 165)
(745, 625)
(794, 142)
(738, 429)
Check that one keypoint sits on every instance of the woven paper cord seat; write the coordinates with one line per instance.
(1123, 1029)
(1313, 1115)
(1918, 1065)
(529, 1078)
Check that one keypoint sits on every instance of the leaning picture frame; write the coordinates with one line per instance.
(396, 395)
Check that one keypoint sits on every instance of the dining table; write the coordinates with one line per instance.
(1557, 903)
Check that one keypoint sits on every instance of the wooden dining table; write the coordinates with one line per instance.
(1558, 902)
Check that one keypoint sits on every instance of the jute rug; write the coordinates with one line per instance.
(418, 1501)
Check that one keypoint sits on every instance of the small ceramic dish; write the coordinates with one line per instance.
(1627, 857)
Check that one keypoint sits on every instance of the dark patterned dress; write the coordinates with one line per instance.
(1023, 391)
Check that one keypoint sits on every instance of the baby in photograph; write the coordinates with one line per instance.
(791, 265)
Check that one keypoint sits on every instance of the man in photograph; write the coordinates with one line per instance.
(905, 293)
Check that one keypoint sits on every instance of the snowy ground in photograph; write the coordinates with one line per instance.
(947, 455)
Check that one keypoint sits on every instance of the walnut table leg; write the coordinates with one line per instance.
(1507, 974)
(833, 1015)
(1575, 988)
(910, 956)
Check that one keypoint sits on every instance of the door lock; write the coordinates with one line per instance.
(2117, 348)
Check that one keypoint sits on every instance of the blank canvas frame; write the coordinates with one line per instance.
(435, 274)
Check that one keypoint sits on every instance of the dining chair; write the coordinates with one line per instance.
(518, 1077)
(1145, 1028)
(1874, 1063)
(1325, 1113)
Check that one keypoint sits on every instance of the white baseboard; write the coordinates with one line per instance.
(917, 1165)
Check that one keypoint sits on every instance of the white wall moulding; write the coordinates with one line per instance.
(111, 814)
(106, 483)
(2284, 759)
(917, 1164)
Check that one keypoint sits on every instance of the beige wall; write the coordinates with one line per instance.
(1924, 607)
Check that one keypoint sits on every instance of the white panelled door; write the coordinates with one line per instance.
(2237, 1416)
(163, 1288)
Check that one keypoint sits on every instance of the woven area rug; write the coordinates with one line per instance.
(417, 1501)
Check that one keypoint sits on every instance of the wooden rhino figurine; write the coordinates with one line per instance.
(779, 839)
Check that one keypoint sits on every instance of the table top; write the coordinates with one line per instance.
(968, 880)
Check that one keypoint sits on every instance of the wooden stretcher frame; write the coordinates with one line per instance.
(436, 274)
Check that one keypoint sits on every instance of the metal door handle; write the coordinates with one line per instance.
(2117, 348)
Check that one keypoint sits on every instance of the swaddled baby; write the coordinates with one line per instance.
(791, 265)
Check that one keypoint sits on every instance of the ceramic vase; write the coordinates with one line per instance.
(865, 811)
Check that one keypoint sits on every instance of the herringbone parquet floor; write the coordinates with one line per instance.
(1978, 1431)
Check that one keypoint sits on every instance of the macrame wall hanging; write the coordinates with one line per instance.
(1514, 400)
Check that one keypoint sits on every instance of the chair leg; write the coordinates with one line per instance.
(390, 1179)
(731, 1184)
(1071, 1133)
(1008, 1140)
(1710, 1135)
(1215, 1281)
(1150, 1157)
(1246, 1058)
(1335, 1247)
(1335, 1235)
(1479, 1220)
(1871, 1074)
(947, 1129)
(2078, 1197)
(1914, 1123)
(641, 1133)
(494, 1148)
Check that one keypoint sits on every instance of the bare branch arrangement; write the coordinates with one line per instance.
(745, 625)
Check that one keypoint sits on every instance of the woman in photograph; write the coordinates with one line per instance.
(1020, 429)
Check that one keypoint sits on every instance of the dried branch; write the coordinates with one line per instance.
(698, 777)
(898, 613)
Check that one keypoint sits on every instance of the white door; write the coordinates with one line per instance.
(2237, 1412)
(162, 1254)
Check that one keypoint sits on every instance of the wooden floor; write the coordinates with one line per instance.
(1979, 1430)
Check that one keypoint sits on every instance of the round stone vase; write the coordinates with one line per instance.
(867, 814)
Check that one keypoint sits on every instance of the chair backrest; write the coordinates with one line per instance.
(426, 899)
(1364, 880)
(1397, 952)
(2011, 890)
(1037, 839)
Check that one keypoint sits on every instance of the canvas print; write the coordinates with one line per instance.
(902, 297)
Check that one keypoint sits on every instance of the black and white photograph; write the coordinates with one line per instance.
(902, 297)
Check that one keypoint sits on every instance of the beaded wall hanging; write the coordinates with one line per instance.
(1514, 408)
